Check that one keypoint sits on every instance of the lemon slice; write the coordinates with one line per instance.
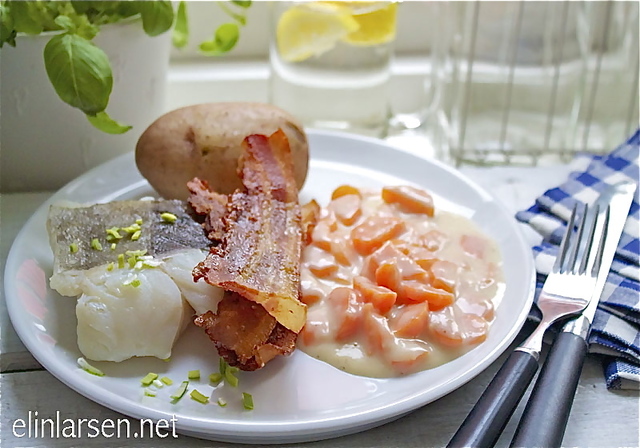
(312, 29)
(376, 25)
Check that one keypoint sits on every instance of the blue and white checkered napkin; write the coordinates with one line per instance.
(616, 327)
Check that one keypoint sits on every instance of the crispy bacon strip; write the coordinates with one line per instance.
(257, 258)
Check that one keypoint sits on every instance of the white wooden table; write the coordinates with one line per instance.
(600, 418)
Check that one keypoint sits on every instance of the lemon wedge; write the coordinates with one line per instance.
(376, 25)
(312, 29)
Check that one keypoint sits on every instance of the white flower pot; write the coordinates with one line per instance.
(45, 143)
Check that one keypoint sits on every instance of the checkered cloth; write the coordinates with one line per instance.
(616, 327)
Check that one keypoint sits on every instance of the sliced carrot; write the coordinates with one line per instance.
(347, 312)
(444, 275)
(452, 327)
(477, 306)
(411, 320)
(321, 234)
(320, 263)
(473, 245)
(344, 190)
(376, 330)
(415, 291)
(433, 240)
(388, 275)
(343, 251)
(444, 328)
(374, 232)
(382, 298)
(410, 199)
(346, 208)
(310, 292)
(411, 363)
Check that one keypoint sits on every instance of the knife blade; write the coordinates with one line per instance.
(545, 417)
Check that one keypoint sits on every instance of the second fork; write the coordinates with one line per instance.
(565, 292)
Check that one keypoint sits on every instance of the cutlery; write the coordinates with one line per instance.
(545, 417)
(565, 292)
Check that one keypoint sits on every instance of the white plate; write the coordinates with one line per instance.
(297, 398)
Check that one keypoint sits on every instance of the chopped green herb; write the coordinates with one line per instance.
(193, 375)
(135, 282)
(247, 401)
(168, 217)
(89, 368)
(215, 378)
(113, 233)
(113, 246)
(132, 262)
(222, 402)
(148, 379)
(222, 365)
(159, 384)
(200, 398)
(166, 380)
(121, 261)
(230, 378)
(131, 229)
(136, 235)
(149, 393)
(139, 221)
(180, 391)
(136, 253)
(110, 266)
(95, 244)
(73, 248)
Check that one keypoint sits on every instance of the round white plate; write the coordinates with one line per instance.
(297, 398)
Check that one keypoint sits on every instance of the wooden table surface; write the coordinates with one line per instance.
(600, 418)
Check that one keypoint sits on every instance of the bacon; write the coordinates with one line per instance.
(258, 254)
(209, 203)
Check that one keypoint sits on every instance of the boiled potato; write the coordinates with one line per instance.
(205, 141)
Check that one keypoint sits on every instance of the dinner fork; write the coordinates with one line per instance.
(565, 292)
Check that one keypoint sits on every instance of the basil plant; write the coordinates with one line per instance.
(79, 71)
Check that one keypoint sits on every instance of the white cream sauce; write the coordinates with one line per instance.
(362, 335)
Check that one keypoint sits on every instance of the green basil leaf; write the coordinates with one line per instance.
(7, 33)
(157, 16)
(240, 18)
(105, 123)
(79, 71)
(65, 23)
(181, 28)
(210, 48)
(224, 40)
(26, 17)
(227, 35)
(242, 3)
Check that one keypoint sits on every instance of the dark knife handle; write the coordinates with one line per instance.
(545, 417)
(490, 415)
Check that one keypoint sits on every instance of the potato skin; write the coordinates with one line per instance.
(205, 140)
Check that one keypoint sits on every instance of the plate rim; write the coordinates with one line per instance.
(270, 432)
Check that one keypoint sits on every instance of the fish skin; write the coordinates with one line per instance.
(68, 225)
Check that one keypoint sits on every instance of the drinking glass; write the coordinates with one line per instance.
(330, 63)
(514, 76)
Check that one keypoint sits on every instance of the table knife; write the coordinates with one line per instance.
(545, 417)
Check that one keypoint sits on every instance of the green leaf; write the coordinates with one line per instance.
(181, 28)
(7, 33)
(105, 123)
(26, 17)
(157, 16)
(225, 39)
(66, 23)
(242, 3)
(240, 18)
(79, 72)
